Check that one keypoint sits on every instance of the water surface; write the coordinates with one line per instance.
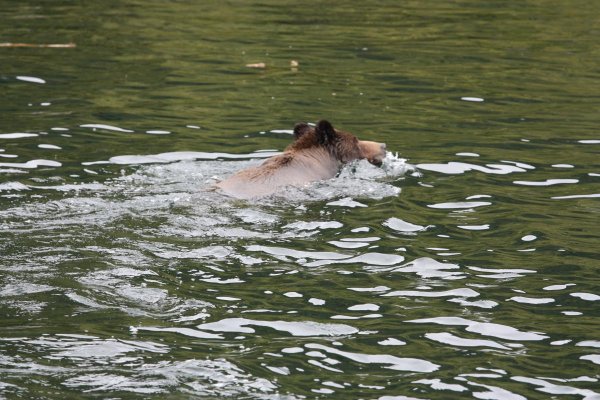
(466, 267)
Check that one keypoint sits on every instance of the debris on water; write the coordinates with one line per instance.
(260, 65)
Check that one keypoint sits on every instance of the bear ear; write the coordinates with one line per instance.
(325, 131)
(300, 129)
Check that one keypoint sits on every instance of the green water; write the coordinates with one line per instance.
(465, 268)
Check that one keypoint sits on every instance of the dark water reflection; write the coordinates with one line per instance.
(468, 270)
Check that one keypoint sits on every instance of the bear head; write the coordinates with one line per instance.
(343, 146)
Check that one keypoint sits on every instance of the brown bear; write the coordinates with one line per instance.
(317, 153)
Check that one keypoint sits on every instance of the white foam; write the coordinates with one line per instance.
(313, 225)
(181, 156)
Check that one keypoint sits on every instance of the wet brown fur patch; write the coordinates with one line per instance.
(341, 145)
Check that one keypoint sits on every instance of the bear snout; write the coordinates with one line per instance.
(374, 152)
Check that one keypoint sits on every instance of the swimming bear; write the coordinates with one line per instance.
(317, 153)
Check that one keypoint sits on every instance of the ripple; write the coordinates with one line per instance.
(448, 338)
(49, 147)
(212, 378)
(298, 254)
(453, 168)
(589, 343)
(371, 289)
(531, 300)
(19, 289)
(106, 127)
(13, 186)
(83, 347)
(158, 132)
(460, 205)
(495, 393)
(437, 384)
(591, 141)
(462, 292)
(31, 79)
(390, 362)
(427, 267)
(346, 202)
(391, 342)
(182, 156)
(558, 287)
(484, 328)
(547, 182)
(182, 331)
(474, 227)
(472, 99)
(478, 303)
(313, 225)
(400, 225)
(563, 166)
(552, 388)
(366, 258)
(586, 296)
(305, 328)
(577, 196)
(348, 245)
(502, 273)
(17, 135)
(595, 358)
(32, 164)
(316, 302)
(364, 307)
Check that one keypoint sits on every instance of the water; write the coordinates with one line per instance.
(466, 267)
